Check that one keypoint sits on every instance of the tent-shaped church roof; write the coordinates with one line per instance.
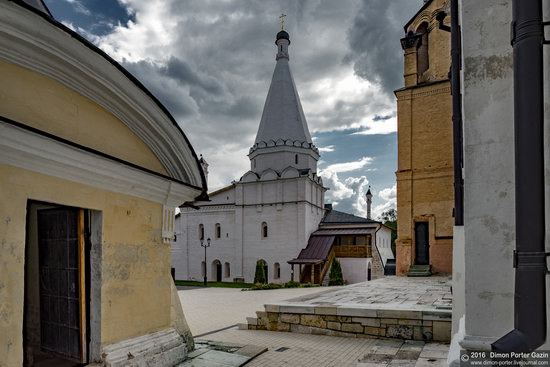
(283, 117)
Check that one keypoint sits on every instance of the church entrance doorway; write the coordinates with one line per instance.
(369, 272)
(57, 281)
(422, 247)
(217, 270)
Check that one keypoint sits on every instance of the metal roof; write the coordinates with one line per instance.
(318, 248)
(343, 231)
(283, 116)
(335, 216)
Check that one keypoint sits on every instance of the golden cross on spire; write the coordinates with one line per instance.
(282, 18)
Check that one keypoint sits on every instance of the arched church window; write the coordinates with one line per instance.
(227, 270)
(422, 54)
(254, 162)
(218, 230)
(296, 159)
(201, 231)
(264, 230)
(277, 271)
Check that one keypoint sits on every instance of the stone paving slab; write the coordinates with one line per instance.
(251, 351)
(221, 358)
(221, 354)
(318, 350)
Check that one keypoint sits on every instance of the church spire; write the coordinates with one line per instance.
(282, 40)
(283, 130)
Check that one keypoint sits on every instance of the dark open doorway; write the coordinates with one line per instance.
(369, 272)
(57, 284)
(265, 272)
(218, 272)
(422, 246)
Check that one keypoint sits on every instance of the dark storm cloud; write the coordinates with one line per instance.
(185, 74)
(210, 62)
(168, 93)
(382, 118)
(97, 17)
(375, 50)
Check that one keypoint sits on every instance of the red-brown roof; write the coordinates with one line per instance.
(318, 248)
(343, 231)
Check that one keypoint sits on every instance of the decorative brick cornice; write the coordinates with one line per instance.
(422, 92)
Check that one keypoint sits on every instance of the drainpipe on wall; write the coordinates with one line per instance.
(529, 256)
(458, 157)
(456, 66)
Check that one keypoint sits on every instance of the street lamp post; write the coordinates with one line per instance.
(205, 246)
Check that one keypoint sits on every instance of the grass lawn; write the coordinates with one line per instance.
(193, 283)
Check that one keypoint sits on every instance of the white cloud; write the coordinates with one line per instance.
(348, 166)
(228, 51)
(389, 195)
(380, 126)
(351, 193)
(69, 25)
(338, 189)
(79, 7)
(327, 149)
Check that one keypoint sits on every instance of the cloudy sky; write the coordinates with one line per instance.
(211, 61)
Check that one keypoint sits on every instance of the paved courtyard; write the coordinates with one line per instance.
(431, 293)
(215, 311)
(210, 309)
(300, 350)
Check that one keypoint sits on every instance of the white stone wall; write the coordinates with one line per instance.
(355, 270)
(291, 208)
(282, 157)
(488, 169)
(383, 244)
(483, 275)
(191, 254)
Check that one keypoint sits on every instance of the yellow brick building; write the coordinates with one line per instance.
(425, 151)
(92, 167)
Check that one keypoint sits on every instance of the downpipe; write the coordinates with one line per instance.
(529, 331)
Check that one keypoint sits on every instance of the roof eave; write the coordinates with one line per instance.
(49, 18)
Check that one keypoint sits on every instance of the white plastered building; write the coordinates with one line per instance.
(270, 213)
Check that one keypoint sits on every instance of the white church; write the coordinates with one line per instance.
(276, 211)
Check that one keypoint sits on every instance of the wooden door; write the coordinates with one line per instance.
(62, 298)
(422, 246)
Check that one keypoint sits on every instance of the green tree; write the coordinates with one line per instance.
(259, 276)
(389, 218)
(335, 276)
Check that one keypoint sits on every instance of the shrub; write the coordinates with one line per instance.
(335, 276)
(262, 287)
(292, 284)
(259, 276)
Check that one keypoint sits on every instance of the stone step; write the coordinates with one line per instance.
(252, 321)
(242, 326)
(419, 271)
(419, 274)
(421, 267)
